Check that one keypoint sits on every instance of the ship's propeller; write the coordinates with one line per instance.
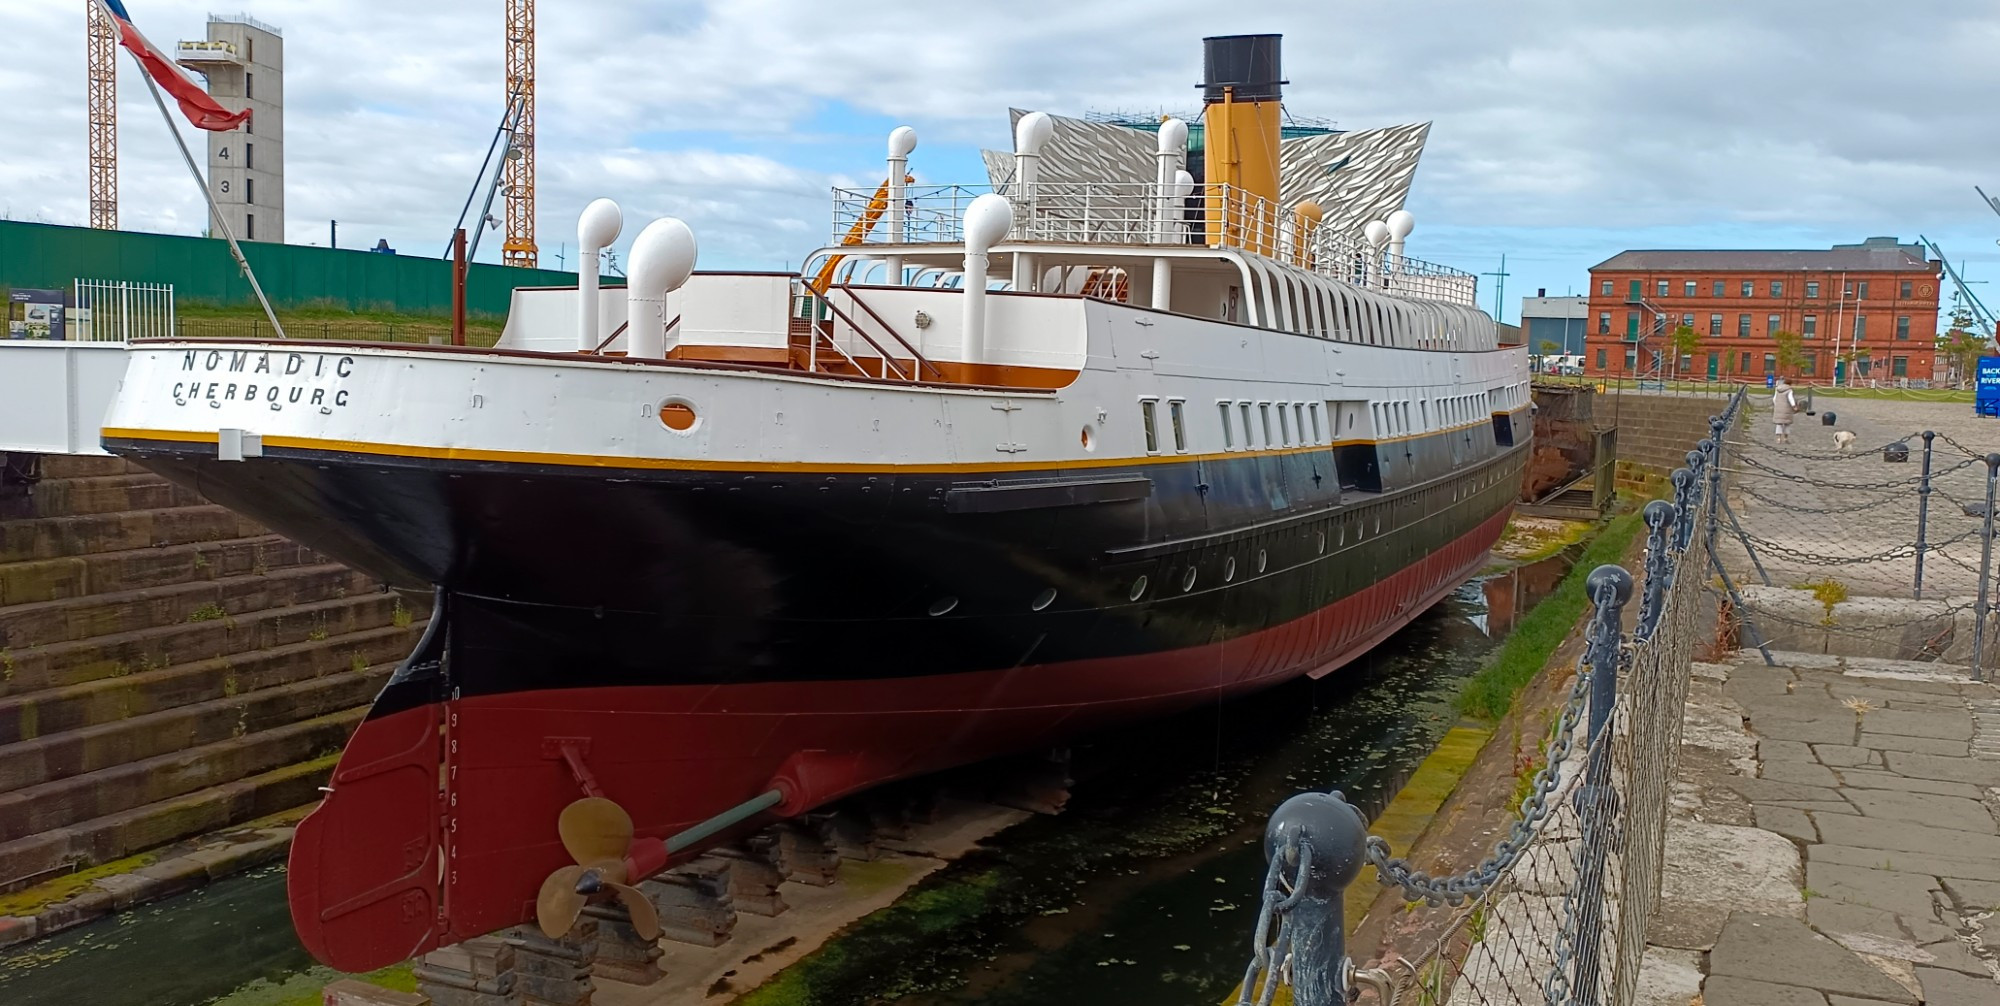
(597, 833)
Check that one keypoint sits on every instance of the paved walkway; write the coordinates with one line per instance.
(1834, 840)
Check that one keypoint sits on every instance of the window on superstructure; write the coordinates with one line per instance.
(1249, 434)
(1228, 439)
(1264, 415)
(1151, 422)
(1177, 415)
(1284, 426)
(1299, 421)
(1318, 437)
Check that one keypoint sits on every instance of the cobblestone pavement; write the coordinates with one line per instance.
(1833, 840)
(1811, 527)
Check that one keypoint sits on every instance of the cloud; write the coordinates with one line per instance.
(1564, 131)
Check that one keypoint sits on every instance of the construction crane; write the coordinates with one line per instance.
(102, 67)
(518, 172)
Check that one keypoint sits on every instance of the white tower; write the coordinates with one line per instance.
(244, 61)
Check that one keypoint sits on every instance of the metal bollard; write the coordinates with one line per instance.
(1321, 839)
(1923, 514)
(1609, 588)
(1980, 610)
(1660, 516)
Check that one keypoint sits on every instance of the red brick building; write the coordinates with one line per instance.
(1873, 303)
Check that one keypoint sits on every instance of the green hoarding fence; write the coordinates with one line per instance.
(51, 257)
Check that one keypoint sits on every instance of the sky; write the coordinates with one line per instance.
(1564, 131)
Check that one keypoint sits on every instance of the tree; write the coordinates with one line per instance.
(1790, 354)
(1962, 344)
(1685, 342)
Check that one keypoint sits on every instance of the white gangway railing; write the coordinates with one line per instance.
(120, 311)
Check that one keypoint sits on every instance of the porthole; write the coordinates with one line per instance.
(1089, 439)
(678, 415)
(943, 606)
(1043, 599)
(1229, 569)
(1187, 581)
(1139, 587)
(1262, 560)
(1322, 543)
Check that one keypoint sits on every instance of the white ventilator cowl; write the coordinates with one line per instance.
(662, 259)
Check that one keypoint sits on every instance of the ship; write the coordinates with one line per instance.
(1001, 465)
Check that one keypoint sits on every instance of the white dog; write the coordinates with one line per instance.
(1844, 438)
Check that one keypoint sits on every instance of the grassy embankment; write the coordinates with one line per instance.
(1490, 693)
(204, 321)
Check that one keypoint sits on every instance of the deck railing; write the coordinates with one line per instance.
(1148, 214)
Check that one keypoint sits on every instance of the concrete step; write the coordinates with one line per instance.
(106, 700)
(94, 747)
(130, 569)
(46, 622)
(97, 494)
(76, 466)
(49, 537)
(25, 861)
(138, 651)
(64, 802)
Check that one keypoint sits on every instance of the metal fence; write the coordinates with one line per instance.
(1881, 549)
(118, 311)
(1557, 913)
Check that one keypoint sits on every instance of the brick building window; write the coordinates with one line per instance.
(1899, 366)
(1603, 320)
(1749, 288)
(1745, 365)
(1847, 289)
(1863, 295)
(1600, 349)
(1860, 327)
(1687, 288)
(1770, 360)
(1902, 326)
(1812, 290)
(1718, 288)
(1742, 326)
(1660, 288)
(1773, 322)
(1906, 289)
(1604, 288)
(1777, 288)
(1810, 328)
(1808, 363)
(1687, 321)
(1631, 359)
(1715, 324)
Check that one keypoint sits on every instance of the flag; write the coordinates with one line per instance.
(196, 104)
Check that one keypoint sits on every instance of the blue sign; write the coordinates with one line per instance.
(1986, 387)
(1770, 380)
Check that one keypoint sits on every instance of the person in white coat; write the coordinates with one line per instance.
(1784, 405)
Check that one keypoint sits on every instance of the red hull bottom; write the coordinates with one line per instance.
(441, 820)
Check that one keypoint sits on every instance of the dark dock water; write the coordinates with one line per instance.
(1141, 892)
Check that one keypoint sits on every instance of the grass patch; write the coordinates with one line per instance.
(210, 612)
(29, 901)
(1490, 693)
(207, 321)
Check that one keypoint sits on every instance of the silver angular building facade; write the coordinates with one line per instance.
(1354, 176)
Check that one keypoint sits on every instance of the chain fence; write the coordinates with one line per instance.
(1557, 912)
(1881, 551)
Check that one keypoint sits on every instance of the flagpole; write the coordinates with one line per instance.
(215, 213)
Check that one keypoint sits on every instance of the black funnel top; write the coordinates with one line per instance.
(1247, 63)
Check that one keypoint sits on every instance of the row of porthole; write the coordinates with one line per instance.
(947, 604)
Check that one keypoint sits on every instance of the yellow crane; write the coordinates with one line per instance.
(101, 47)
(518, 178)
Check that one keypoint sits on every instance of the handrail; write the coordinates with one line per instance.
(891, 329)
(887, 362)
(620, 330)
